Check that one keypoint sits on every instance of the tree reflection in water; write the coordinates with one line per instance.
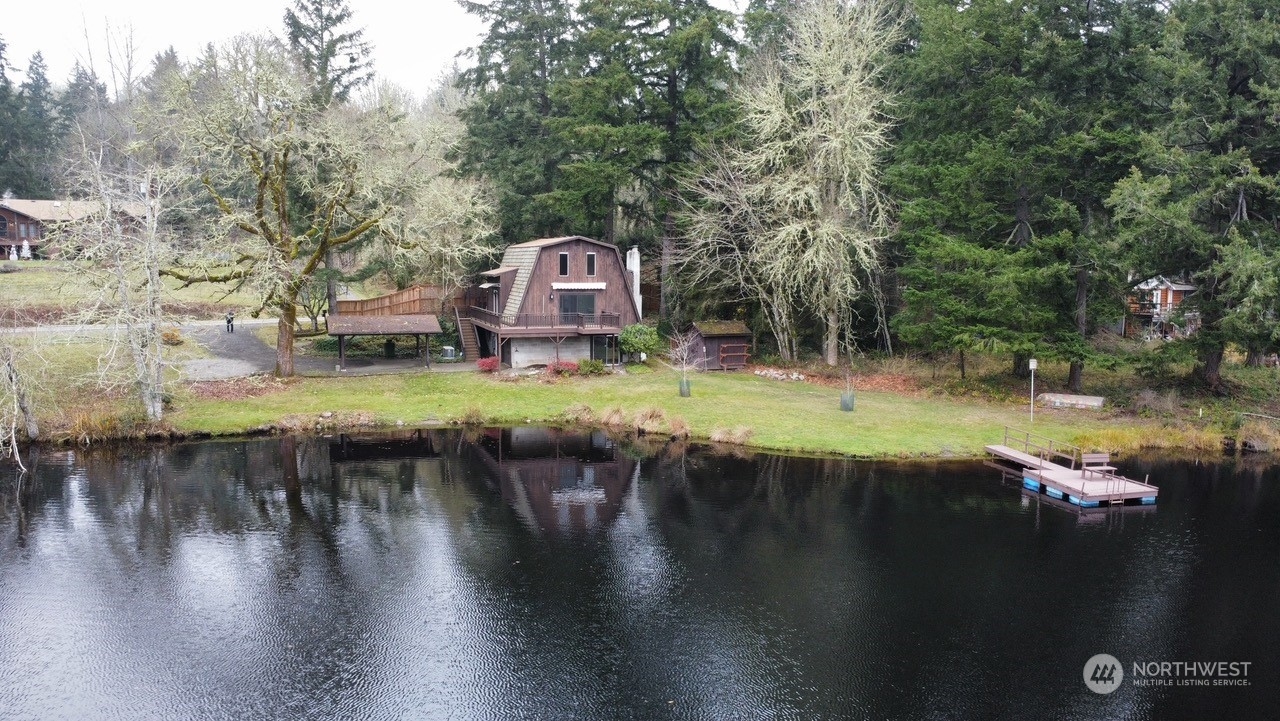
(534, 572)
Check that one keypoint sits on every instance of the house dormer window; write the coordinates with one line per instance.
(564, 264)
(591, 265)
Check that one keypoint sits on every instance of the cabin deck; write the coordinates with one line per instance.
(1087, 486)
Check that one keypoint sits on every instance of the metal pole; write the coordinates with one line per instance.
(1032, 364)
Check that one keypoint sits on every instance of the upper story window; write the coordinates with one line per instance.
(591, 265)
(564, 264)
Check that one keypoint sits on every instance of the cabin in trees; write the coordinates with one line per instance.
(555, 299)
(722, 344)
(26, 224)
(1152, 306)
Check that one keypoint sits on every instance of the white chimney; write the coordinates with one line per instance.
(633, 265)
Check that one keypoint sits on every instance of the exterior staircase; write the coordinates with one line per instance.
(467, 332)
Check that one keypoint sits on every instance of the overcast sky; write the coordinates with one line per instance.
(413, 40)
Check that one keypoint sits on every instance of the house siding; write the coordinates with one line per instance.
(615, 298)
(526, 352)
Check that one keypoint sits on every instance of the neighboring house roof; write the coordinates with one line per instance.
(714, 328)
(500, 270)
(61, 211)
(1162, 282)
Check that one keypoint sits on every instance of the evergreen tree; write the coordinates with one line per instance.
(85, 92)
(1205, 202)
(335, 58)
(10, 142)
(1019, 117)
(38, 131)
(521, 60)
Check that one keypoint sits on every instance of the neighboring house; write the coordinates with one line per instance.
(556, 299)
(28, 223)
(1152, 306)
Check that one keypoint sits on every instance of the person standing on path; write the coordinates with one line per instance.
(231, 322)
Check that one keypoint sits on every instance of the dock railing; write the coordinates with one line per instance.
(1044, 448)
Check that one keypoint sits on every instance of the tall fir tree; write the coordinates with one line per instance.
(335, 57)
(1018, 119)
(1204, 202)
(521, 60)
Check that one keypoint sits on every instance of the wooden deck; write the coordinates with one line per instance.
(1086, 486)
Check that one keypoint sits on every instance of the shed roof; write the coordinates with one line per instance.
(419, 324)
(714, 328)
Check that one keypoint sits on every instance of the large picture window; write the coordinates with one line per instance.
(572, 304)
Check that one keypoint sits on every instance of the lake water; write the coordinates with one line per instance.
(530, 573)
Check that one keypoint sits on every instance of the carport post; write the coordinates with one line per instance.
(342, 352)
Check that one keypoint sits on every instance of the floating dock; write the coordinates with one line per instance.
(1088, 480)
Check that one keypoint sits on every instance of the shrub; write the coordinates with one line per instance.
(679, 428)
(579, 414)
(171, 336)
(738, 436)
(614, 418)
(591, 367)
(488, 365)
(650, 420)
(10, 268)
(472, 416)
(563, 368)
(640, 338)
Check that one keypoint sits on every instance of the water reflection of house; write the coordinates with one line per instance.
(1152, 308)
(556, 480)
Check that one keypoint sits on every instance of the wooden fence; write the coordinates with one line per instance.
(411, 301)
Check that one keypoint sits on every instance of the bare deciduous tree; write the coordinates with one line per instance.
(122, 248)
(291, 182)
(793, 215)
(15, 407)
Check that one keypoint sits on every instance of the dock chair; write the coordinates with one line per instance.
(1099, 463)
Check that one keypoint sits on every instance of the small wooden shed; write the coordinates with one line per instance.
(725, 344)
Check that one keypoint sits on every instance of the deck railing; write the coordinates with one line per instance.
(1043, 447)
(603, 319)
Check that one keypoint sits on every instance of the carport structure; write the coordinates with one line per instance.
(417, 325)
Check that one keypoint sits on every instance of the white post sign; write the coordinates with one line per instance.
(1032, 364)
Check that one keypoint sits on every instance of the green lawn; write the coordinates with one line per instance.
(53, 283)
(782, 415)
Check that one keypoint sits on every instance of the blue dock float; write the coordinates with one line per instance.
(1087, 480)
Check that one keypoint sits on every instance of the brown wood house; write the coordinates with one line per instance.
(1152, 307)
(555, 299)
(26, 224)
(722, 344)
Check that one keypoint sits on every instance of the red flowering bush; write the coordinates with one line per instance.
(563, 368)
(488, 365)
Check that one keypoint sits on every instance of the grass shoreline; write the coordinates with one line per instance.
(734, 408)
